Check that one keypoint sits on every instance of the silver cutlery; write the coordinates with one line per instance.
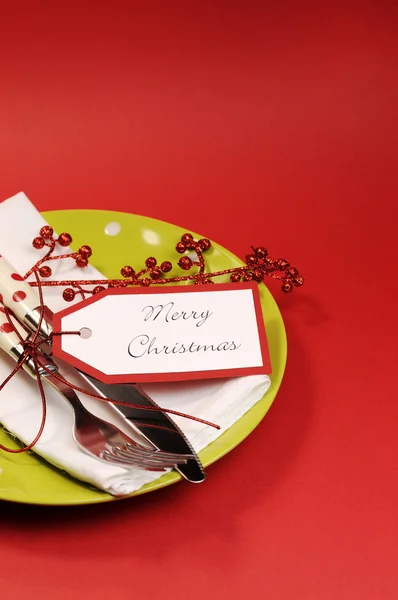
(158, 428)
(93, 435)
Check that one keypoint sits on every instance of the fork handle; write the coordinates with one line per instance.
(23, 300)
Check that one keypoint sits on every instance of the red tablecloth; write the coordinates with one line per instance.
(254, 124)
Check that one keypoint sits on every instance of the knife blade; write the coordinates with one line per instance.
(155, 426)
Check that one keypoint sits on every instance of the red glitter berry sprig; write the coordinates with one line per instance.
(258, 265)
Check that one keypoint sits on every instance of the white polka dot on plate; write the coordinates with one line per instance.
(113, 228)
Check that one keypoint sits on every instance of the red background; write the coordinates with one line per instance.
(255, 123)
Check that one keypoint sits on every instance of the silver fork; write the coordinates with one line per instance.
(93, 435)
(104, 440)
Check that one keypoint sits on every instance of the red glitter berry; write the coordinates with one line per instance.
(166, 266)
(156, 273)
(287, 287)
(65, 239)
(85, 251)
(45, 271)
(69, 294)
(261, 252)
(257, 275)
(247, 276)
(46, 232)
(298, 281)
(38, 243)
(98, 289)
(292, 272)
(187, 239)
(127, 271)
(151, 262)
(145, 281)
(235, 277)
(81, 261)
(281, 264)
(185, 263)
(204, 244)
(181, 247)
(251, 260)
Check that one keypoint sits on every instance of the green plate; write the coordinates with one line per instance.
(27, 478)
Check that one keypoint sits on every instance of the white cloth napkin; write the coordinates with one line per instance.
(221, 401)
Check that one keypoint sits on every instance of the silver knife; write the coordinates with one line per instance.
(154, 425)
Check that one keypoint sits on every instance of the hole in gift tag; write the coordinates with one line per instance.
(85, 333)
(113, 228)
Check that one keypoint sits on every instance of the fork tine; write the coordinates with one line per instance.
(132, 449)
(149, 458)
(144, 453)
(166, 455)
(111, 456)
(153, 460)
(120, 462)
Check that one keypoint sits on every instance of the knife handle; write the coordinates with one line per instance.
(20, 297)
(11, 344)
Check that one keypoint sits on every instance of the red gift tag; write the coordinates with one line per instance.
(166, 334)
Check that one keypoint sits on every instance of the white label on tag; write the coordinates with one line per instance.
(166, 334)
